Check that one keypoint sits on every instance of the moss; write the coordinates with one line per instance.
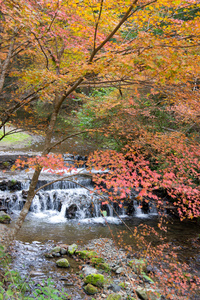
(97, 260)
(104, 266)
(56, 249)
(95, 279)
(114, 297)
(4, 218)
(84, 254)
(90, 289)
(147, 294)
(63, 263)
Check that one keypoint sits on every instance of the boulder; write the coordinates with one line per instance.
(71, 211)
(63, 263)
(4, 218)
(14, 185)
(88, 270)
(90, 289)
(95, 279)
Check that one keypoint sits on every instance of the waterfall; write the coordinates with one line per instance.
(64, 200)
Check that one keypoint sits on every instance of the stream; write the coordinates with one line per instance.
(66, 213)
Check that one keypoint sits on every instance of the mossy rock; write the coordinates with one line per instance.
(63, 263)
(97, 260)
(84, 254)
(148, 294)
(138, 265)
(95, 279)
(90, 289)
(72, 248)
(4, 218)
(114, 297)
(103, 266)
(56, 249)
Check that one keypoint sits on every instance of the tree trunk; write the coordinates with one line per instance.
(31, 192)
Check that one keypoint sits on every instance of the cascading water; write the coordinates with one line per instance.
(64, 200)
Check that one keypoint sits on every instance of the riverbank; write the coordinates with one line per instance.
(97, 270)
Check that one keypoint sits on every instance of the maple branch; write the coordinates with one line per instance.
(13, 131)
(46, 57)
(54, 17)
(66, 138)
(97, 24)
(125, 17)
(141, 7)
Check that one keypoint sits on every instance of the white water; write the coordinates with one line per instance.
(53, 204)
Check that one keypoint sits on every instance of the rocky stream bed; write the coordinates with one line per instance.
(97, 270)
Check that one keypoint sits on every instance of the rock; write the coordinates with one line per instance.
(3, 208)
(71, 211)
(14, 185)
(72, 248)
(95, 279)
(88, 270)
(3, 185)
(90, 289)
(56, 254)
(63, 251)
(4, 218)
(114, 297)
(24, 194)
(56, 249)
(63, 263)
(114, 287)
(104, 266)
(119, 270)
(147, 293)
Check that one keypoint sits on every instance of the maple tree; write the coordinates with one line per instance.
(52, 50)
(65, 45)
